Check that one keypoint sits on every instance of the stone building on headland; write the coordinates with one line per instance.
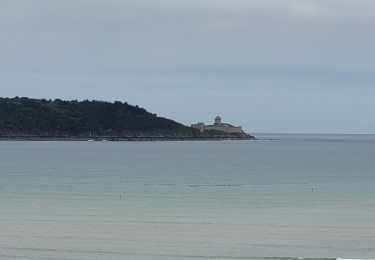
(218, 126)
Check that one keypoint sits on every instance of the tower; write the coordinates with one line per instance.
(218, 120)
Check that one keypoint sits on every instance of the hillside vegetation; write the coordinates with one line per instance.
(58, 118)
(41, 118)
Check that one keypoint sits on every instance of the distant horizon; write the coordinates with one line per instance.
(275, 133)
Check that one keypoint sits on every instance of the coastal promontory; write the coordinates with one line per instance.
(41, 119)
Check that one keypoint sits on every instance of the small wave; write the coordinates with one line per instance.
(355, 259)
(233, 257)
(215, 185)
(161, 184)
(182, 256)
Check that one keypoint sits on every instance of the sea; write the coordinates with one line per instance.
(281, 197)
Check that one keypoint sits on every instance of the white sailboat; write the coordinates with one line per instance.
(90, 139)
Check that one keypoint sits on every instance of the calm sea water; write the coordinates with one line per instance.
(283, 196)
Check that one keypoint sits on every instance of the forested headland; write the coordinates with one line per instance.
(26, 118)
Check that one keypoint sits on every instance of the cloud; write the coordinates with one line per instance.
(354, 10)
(245, 35)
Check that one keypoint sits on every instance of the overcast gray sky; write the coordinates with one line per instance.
(269, 65)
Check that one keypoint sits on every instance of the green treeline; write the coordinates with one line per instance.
(58, 118)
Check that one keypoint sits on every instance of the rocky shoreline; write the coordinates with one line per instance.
(104, 138)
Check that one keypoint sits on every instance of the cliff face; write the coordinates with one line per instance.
(58, 119)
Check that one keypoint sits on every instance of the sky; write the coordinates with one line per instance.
(282, 66)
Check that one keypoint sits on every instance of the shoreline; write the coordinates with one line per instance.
(127, 139)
